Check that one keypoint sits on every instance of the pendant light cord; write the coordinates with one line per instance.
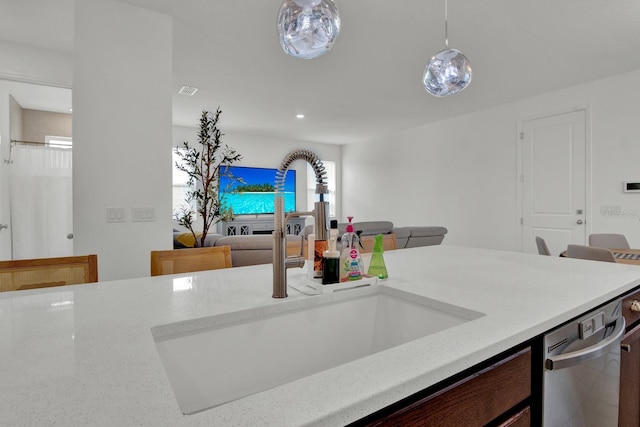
(446, 24)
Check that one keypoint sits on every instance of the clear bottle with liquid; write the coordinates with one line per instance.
(352, 267)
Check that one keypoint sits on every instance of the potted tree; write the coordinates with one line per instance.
(204, 164)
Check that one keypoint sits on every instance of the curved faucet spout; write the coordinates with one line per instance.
(321, 214)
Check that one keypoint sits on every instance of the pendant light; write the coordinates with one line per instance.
(308, 28)
(448, 71)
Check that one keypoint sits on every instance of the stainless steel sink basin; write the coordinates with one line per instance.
(214, 360)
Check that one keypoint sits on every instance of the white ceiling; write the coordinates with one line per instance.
(370, 83)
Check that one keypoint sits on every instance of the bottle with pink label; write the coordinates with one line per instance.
(351, 265)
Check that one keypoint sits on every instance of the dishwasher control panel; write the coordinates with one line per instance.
(591, 325)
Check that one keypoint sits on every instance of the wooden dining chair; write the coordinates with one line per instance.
(190, 259)
(389, 242)
(590, 252)
(21, 274)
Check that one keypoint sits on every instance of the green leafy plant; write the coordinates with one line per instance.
(205, 164)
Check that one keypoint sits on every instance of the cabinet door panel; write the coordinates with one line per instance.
(629, 415)
(474, 401)
(521, 419)
(631, 316)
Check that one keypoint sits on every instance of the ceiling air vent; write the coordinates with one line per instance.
(188, 90)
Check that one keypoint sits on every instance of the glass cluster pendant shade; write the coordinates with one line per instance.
(447, 72)
(308, 28)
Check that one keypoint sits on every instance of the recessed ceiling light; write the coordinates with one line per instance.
(188, 90)
(300, 116)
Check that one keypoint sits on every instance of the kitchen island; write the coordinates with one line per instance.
(84, 354)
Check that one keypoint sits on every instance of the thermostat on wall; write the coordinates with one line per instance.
(631, 187)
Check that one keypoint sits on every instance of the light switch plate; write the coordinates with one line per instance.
(143, 214)
(115, 215)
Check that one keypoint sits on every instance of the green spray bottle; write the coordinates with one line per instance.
(377, 266)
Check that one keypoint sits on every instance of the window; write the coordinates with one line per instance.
(180, 185)
(58, 141)
(312, 197)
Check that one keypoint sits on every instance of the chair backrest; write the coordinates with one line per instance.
(543, 249)
(190, 259)
(610, 241)
(389, 242)
(590, 252)
(21, 274)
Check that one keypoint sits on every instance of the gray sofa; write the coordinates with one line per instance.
(406, 237)
(257, 248)
(254, 249)
(248, 250)
(411, 237)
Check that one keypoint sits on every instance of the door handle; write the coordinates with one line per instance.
(579, 222)
(4, 226)
(566, 360)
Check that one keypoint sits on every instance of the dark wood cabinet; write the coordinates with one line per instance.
(521, 419)
(496, 394)
(629, 415)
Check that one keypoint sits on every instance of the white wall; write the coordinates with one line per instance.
(32, 65)
(266, 152)
(37, 125)
(461, 173)
(121, 129)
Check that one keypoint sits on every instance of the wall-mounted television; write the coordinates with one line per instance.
(253, 192)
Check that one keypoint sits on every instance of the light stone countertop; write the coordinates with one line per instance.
(84, 355)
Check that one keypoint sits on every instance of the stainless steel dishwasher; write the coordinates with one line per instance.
(581, 384)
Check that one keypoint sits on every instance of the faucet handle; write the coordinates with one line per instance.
(294, 261)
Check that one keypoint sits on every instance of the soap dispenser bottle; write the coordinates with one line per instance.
(331, 258)
(351, 261)
(377, 266)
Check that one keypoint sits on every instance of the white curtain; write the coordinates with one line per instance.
(41, 202)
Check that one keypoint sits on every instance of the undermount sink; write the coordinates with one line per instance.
(214, 360)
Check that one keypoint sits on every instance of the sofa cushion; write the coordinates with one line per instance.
(373, 228)
(414, 242)
(402, 236)
(183, 240)
(253, 242)
(428, 231)
(402, 232)
(411, 237)
(366, 228)
(256, 248)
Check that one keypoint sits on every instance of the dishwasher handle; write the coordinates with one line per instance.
(567, 360)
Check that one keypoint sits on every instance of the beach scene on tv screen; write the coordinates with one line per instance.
(255, 193)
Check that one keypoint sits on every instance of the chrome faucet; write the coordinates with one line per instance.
(282, 262)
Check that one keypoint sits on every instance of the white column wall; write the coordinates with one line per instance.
(121, 133)
(461, 173)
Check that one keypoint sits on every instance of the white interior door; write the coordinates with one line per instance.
(554, 181)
